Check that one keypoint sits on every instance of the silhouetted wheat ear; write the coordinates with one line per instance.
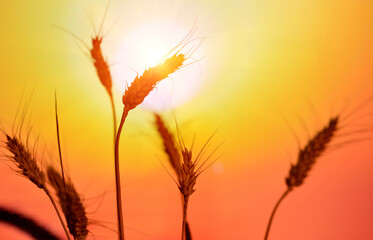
(71, 205)
(308, 155)
(187, 170)
(179, 158)
(143, 85)
(169, 144)
(25, 161)
(188, 174)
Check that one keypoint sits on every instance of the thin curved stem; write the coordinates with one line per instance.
(58, 139)
(114, 116)
(57, 211)
(274, 211)
(117, 176)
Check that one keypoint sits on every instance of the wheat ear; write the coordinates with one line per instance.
(28, 167)
(71, 204)
(307, 157)
(104, 74)
(143, 85)
(25, 161)
(169, 144)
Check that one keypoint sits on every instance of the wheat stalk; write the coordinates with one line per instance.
(187, 170)
(100, 63)
(175, 159)
(28, 167)
(71, 204)
(307, 157)
(133, 96)
(103, 73)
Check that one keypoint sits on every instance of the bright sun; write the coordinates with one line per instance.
(144, 47)
(151, 50)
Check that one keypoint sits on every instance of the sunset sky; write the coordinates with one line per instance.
(266, 74)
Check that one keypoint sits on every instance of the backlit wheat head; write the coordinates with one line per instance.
(181, 159)
(143, 85)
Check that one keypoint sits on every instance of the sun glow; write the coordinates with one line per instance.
(146, 46)
(151, 50)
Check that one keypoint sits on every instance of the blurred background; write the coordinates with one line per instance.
(267, 73)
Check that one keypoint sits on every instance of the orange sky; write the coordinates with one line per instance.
(267, 66)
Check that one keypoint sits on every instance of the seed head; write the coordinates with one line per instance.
(169, 144)
(309, 154)
(143, 85)
(71, 205)
(25, 161)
